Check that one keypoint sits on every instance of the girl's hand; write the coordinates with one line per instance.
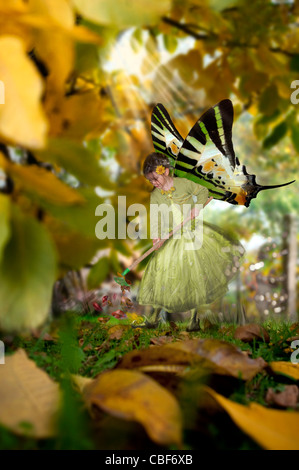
(194, 212)
(155, 240)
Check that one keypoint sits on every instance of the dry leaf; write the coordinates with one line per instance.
(116, 331)
(285, 368)
(27, 395)
(173, 326)
(81, 382)
(295, 327)
(287, 398)
(134, 317)
(248, 333)
(132, 395)
(88, 347)
(160, 340)
(183, 335)
(156, 355)
(205, 324)
(221, 357)
(226, 330)
(44, 336)
(271, 429)
(213, 356)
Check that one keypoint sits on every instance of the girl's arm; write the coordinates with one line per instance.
(155, 224)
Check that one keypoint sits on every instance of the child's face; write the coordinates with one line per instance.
(158, 180)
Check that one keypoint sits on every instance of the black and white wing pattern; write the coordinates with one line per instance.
(166, 139)
(207, 154)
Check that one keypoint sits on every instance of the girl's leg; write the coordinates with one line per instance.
(152, 322)
(194, 322)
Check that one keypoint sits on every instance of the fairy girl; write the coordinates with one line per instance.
(177, 278)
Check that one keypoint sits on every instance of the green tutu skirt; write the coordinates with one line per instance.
(181, 276)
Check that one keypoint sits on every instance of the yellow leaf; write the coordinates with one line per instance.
(81, 382)
(135, 317)
(271, 429)
(43, 183)
(133, 396)
(29, 398)
(4, 221)
(11, 24)
(22, 120)
(80, 116)
(286, 368)
(56, 11)
(123, 13)
(53, 46)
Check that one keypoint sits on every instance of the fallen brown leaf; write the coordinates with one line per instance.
(292, 338)
(209, 356)
(226, 330)
(247, 333)
(160, 340)
(44, 336)
(287, 398)
(88, 347)
(103, 347)
(221, 357)
(116, 331)
(183, 335)
(173, 326)
(295, 327)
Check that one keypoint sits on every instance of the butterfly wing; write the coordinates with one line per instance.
(166, 138)
(207, 157)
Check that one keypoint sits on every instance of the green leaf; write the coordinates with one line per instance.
(294, 63)
(170, 43)
(220, 5)
(77, 160)
(87, 57)
(295, 137)
(276, 135)
(98, 273)
(121, 246)
(269, 100)
(75, 249)
(4, 222)
(27, 274)
(79, 218)
(115, 265)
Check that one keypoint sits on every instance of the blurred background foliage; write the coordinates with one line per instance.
(79, 80)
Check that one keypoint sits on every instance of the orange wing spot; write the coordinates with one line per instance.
(241, 197)
(208, 166)
(174, 148)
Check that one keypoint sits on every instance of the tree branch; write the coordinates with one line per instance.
(187, 29)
